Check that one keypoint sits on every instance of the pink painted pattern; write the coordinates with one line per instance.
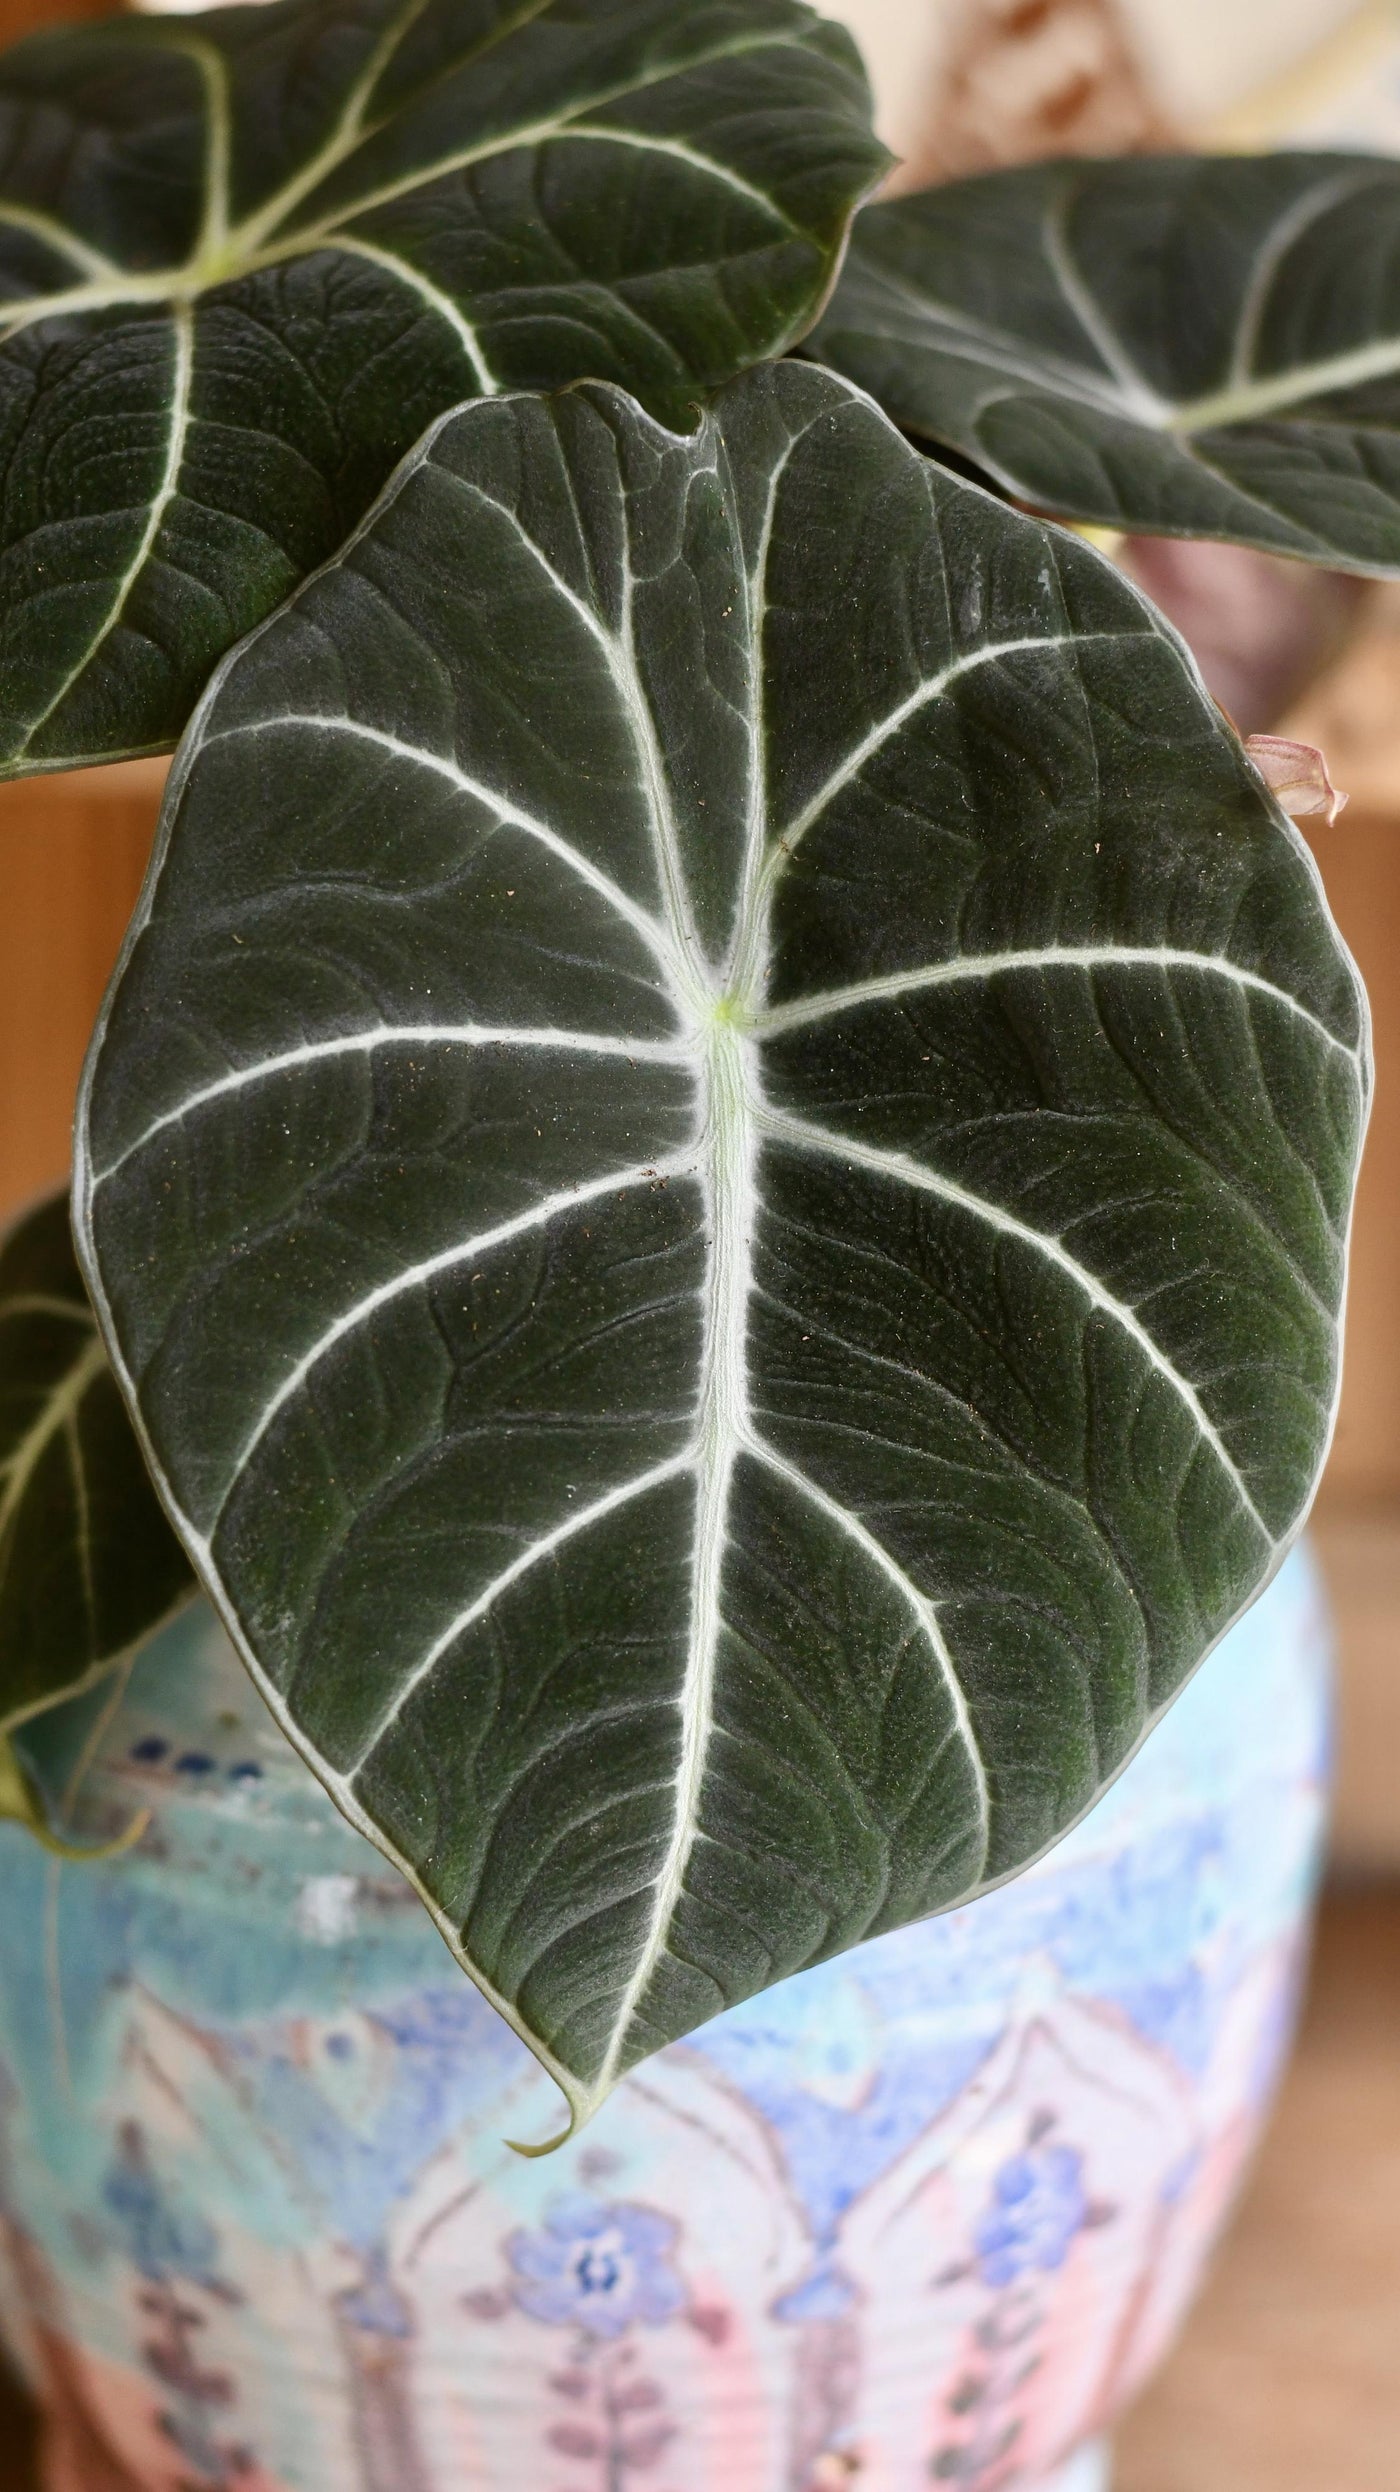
(925, 2216)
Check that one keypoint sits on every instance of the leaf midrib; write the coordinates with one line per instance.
(1119, 387)
(182, 379)
(58, 1407)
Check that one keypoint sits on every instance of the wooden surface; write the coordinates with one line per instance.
(1359, 1549)
(1288, 2377)
(72, 852)
(1360, 862)
(1354, 714)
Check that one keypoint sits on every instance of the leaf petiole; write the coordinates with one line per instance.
(22, 1803)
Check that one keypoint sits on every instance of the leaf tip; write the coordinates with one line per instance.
(551, 2145)
(581, 2109)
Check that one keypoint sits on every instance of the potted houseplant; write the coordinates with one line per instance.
(711, 1209)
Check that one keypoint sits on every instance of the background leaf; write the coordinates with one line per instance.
(720, 1171)
(246, 257)
(89, 1566)
(1189, 346)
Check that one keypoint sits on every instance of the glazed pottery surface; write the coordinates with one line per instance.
(926, 2214)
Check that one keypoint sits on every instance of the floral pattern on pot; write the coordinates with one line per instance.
(927, 2214)
(600, 2268)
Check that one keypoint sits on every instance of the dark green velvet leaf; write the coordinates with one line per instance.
(719, 1170)
(89, 1566)
(1187, 346)
(246, 257)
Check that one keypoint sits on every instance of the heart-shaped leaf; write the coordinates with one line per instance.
(89, 1566)
(720, 1172)
(1188, 346)
(246, 258)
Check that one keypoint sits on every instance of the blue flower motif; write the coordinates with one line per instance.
(162, 2240)
(599, 2268)
(1038, 2205)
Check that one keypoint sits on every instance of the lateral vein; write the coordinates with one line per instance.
(976, 341)
(531, 134)
(647, 926)
(777, 1018)
(924, 1611)
(801, 1136)
(60, 237)
(532, 1555)
(932, 689)
(367, 1042)
(1141, 398)
(182, 332)
(429, 294)
(417, 1275)
(20, 1465)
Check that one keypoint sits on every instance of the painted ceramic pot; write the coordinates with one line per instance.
(928, 2214)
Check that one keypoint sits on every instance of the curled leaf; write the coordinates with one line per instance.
(1297, 775)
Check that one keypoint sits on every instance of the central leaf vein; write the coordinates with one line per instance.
(182, 373)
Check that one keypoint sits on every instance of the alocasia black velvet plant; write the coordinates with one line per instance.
(717, 1175)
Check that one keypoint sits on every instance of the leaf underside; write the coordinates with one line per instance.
(1184, 346)
(246, 258)
(89, 1566)
(719, 1171)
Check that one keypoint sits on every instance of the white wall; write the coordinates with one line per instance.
(1204, 54)
(1208, 54)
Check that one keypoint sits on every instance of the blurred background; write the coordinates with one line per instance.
(1289, 2377)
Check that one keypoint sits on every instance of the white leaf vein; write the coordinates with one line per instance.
(182, 375)
(799, 1135)
(976, 966)
(505, 807)
(20, 1464)
(1121, 388)
(370, 1042)
(418, 1275)
(930, 688)
(433, 296)
(1139, 396)
(482, 1603)
(923, 1610)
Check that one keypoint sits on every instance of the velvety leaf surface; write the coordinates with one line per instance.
(1191, 346)
(246, 257)
(720, 1170)
(89, 1566)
